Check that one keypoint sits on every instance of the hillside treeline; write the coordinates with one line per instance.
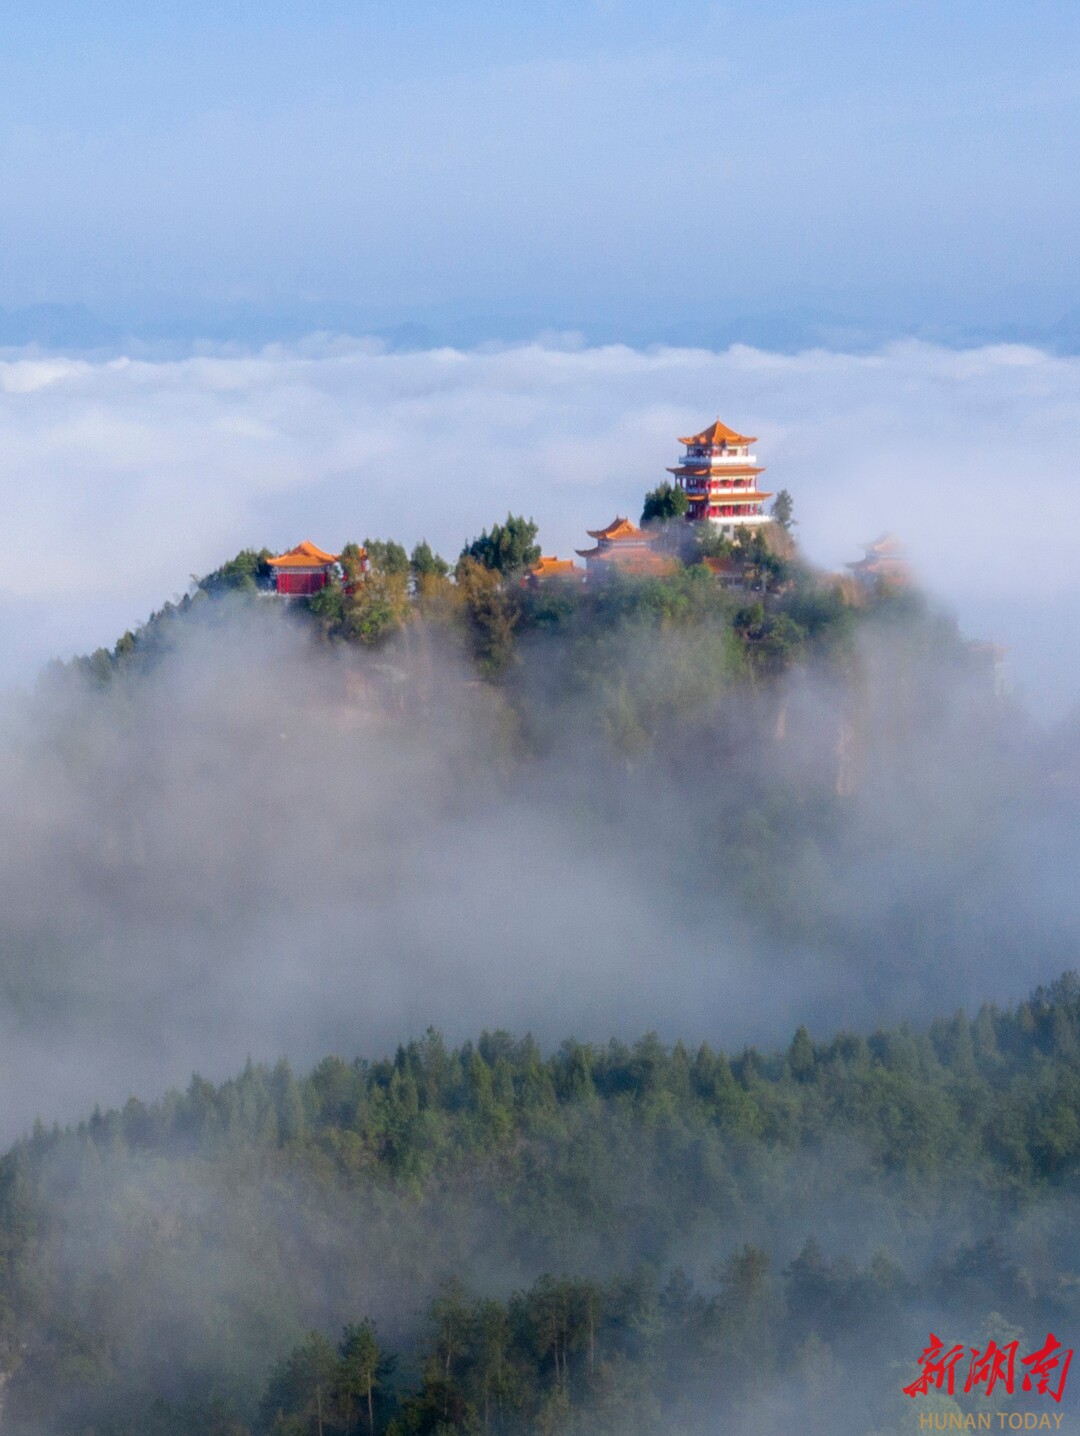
(484, 612)
(604, 1238)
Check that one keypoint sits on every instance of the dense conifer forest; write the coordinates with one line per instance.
(616, 1238)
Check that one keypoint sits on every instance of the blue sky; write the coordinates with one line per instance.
(775, 171)
(661, 181)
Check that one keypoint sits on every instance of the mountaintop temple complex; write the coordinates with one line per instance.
(718, 473)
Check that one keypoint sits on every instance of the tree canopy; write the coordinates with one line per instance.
(508, 549)
(664, 503)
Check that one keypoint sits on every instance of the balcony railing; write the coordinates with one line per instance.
(717, 456)
(705, 487)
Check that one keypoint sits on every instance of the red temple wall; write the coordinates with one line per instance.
(300, 583)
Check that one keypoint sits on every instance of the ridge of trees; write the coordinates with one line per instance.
(614, 1148)
(481, 605)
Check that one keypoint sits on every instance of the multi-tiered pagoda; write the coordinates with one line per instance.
(719, 476)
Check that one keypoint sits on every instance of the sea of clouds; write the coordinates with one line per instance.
(122, 477)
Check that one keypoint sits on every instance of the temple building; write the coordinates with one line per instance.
(304, 570)
(719, 475)
(624, 546)
(883, 565)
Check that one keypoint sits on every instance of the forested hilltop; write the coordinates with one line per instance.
(607, 1239)
(637, 666)
(756, 606)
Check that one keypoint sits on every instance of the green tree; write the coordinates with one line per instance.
(765, 569)
(708, 542)
(353, 560)
(492, 613)
(288, 1103)
(424, 562)
(664, 503)
(376, 607)
(245, 573)
(387, 557)
(508, 549)
(328, 605)
(360, 1370)
(299, 1394)
(783, 507)
(801, 1056)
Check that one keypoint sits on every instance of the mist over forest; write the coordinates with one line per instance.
(266, 843)
(685, 888)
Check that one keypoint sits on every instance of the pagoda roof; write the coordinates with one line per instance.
(698, 470)
(550, 566)
(884, 556)
(618, 529)
(717, 434)
(304, 555)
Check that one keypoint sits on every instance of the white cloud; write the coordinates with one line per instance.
(121, 478)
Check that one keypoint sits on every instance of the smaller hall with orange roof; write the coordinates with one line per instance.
(624, 546)
(719, 476)
(303, 570)
(884, 563)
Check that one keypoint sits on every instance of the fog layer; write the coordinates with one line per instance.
(265, 847)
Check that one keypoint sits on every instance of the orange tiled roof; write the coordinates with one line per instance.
(737, 496)
(549, 565)
(304, 555)
(618, 528)
(884, 556)
(695, 470)
(717, 434)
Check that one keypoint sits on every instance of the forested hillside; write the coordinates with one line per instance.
(608, 1238)
(485, 611)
